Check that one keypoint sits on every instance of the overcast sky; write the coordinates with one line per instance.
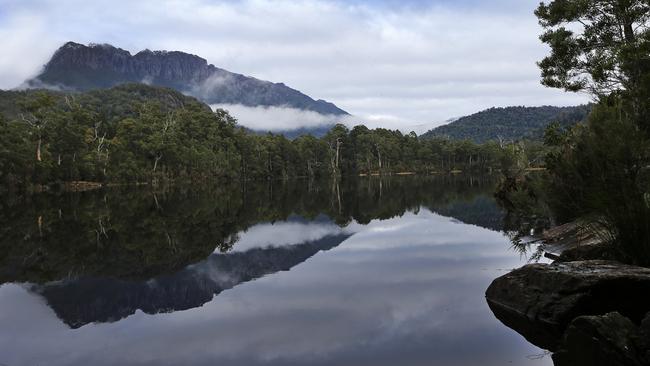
(398, 64)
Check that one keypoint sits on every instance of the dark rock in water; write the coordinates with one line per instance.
(540, 300)
(606, 340)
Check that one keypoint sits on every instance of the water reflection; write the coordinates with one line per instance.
(380, 279)
(85, 300)
(141, 233)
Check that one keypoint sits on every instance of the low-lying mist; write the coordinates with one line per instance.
(274, 119)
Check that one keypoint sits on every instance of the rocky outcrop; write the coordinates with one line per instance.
(79, 67)
(561, 238)
(579, 241)
(587, 252)
(540, 300)
(602, 340)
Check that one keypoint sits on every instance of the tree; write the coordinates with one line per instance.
(335, 139)
(36, 113)
(598, 46)
(596, 170)
(137, 133)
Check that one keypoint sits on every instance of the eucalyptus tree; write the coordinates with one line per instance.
(599, 46)
(596, 170)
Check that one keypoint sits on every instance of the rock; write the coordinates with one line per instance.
(642, 341)
(79, 67)
(572, 235)
(601, 340)
(540, 300)
(590, 252)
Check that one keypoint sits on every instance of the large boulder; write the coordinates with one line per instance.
(600, 340)
(540, 300)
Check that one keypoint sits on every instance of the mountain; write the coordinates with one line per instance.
(509, 124)
(77, 67)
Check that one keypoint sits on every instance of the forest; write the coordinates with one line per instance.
(138, 133)
(598, 172)
(510, 123)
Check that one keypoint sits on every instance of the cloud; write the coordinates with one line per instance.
(417, 62)
(206, 88)
(276, 118)
(26, 47)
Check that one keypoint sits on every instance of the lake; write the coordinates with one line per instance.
(372, 271)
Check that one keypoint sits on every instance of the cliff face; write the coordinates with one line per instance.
(78, 67)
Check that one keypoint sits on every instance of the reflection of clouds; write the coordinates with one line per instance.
(284, 233)
(401, 291)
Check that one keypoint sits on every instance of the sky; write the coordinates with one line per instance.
(406, 64)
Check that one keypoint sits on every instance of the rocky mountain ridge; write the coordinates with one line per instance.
(79, 67)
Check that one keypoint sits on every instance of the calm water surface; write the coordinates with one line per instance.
(369, 272)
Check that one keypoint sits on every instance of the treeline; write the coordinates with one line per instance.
(136, 133)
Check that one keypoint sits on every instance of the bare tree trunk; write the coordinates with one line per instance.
(155, 163)
(379, 158)
(338, 195)
(338, 148)
(38, 149)
(40, 226)
(155, 198)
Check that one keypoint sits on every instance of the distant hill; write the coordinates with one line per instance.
(77, 67)
(509, 124)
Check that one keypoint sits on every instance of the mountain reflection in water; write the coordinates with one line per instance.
(372, 271)
(81, 301)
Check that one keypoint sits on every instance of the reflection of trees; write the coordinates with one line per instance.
(143, 232)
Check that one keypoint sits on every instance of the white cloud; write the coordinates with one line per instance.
(23, 56)
(206, 88)
(419, 63)
(276, 118)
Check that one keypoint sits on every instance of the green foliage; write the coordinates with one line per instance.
(598, 173)
(137, 133)
(599, 46)
(604, 55)
(509, 124)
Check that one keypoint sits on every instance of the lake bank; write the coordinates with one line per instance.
(582, 307)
